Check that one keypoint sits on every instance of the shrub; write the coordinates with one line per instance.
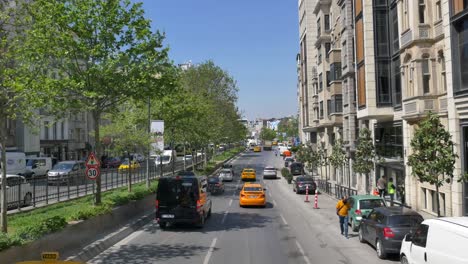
(285, 172)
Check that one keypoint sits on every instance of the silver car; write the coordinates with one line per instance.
(66, 172)
(19, 191)
(269, 173)
(226, 175)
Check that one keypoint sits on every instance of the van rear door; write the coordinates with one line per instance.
(177, 198)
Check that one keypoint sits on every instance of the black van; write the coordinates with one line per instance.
(182, 199)
(296, 168)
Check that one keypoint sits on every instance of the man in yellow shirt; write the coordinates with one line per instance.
(342, 208)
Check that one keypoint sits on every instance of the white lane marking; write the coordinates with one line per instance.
(306, 259)
(230, 202)
(210, 251)
(284, 220)
(224, 217)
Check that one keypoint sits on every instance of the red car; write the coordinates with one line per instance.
(111, 163)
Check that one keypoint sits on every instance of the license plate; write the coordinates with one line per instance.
(252, 196)
(167, 216)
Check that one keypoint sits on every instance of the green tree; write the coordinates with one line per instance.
(267, 134)
(290, 126)
(433, 159)
(105, 51)
(307, 155)
(366, 156)
(338, 156)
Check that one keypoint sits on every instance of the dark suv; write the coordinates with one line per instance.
(385, 228)
(300, 185)
(182, 199)
(296, 168)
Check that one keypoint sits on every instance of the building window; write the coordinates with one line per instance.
(329, 107)
(335, 71)
(461, 59)
(328, 78)
(459, 5)
(345, 54)
(426, 74)
(383, 83)
(389, 140)
(438, 11)
(405, 20)
(46, 130)
(327, 49)
(319, 28)
(337, 103)
(321, 110)
(361, 86)
(443, 77)
(327, 22)
(54, 131)
(422, 11)
(395, 35)
(381, 32)
(320, 83)
(319, 54)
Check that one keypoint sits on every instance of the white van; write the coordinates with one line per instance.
(166, 158)
(16, 163)
(39, 165)
(437, 241)
(282, 149)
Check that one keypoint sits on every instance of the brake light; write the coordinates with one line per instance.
(218, 184)
(199, 204)
(242, 195)
(388, 232)
(157, 204)
(262, 195)
(358, 212)
(300, 184)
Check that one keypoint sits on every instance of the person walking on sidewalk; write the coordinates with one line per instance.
(382, 185)
(391, 190)
(342, 208)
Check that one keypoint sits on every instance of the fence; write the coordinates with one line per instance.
(337, 190)
(42, 190)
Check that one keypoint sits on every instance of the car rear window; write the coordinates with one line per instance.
(213, 180)
(253, 189)
(370, 203)
(269, 168)
(172, 192)
(404, 220)
(249, 170)
(304, 179)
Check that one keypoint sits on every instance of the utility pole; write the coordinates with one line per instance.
(149, 147)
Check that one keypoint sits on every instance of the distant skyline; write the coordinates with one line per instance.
(255, 41)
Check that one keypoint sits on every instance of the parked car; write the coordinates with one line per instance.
(385, 228)
(132, 165)
(296, 168)
(226, 175)
(269, 173)
(40, 166)
(300, 185)
(287, 161)
(362, 205)
(65, 172)
(19, 191)
(186, 173)
(188, 157)
(437, 241)
(111, 162)
(182, 199)
(138, 157)
(215, 185)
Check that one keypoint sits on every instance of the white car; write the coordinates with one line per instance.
(437, 241)
(226, 175)
(19, 191)
(188, 157)
(269, 173)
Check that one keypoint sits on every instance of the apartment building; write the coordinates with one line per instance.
(397, 60)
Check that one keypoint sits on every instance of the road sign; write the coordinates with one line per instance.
(92, 173)
(92, 162)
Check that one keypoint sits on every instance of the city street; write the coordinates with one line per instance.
(288, 230)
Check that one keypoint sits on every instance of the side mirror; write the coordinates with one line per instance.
(408, 237)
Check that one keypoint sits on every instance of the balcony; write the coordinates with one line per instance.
(417, 107)
(335, 87)
(438, 29)
(322, 5)
(323, 38)
(331, 120)
(424, 32)
(406, 38)
(335, 56)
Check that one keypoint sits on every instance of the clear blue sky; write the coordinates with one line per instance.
(256, 41)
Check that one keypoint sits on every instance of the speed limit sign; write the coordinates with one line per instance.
(92, 173)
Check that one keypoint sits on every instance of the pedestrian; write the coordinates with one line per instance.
(382, 185)
(342, 208)
(391, 190)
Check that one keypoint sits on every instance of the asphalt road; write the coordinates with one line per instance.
(288, 230)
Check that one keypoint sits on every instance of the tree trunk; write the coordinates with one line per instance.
(437, 199)
(97, 121)
(3, 205)
(129, 180)
(185, 162)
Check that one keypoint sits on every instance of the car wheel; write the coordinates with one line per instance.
(27, 199)
(353, 226)
(361, 236)
(163, 225)
(380, 250)
(209, 213)
(404, 260)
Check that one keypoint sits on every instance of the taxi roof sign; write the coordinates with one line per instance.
(92, 161)
(50, 256)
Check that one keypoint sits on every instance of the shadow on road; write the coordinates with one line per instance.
(153, 253)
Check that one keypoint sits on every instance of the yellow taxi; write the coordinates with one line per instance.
(49, 257)
(252, 194)
(133, 165)
(257, 149)
(248, 174)
(275, 143)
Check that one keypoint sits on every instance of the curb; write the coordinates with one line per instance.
(99, 246)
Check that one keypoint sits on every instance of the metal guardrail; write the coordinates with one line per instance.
(43, 190)
(337, 190)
